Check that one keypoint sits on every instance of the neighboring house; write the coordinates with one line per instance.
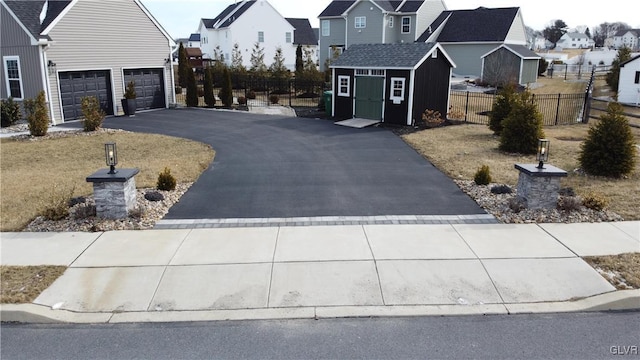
(540, 43)
(343, 23)
(194, 41)
(467, 35)
(629, 82)
(72, 49)
(246, 23)
(629, 38)
(393, 83)
(575, 40)
(305, 36)
(510, 64)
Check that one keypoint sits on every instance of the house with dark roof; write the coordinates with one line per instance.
(344, 23)
(305, 36)
(510, 64)
(392, 83)
(247, 23)
(467, 35)
(629, 82)
(628, 37)
(73, 49)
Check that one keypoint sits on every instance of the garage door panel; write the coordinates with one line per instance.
(78, 84)
(149, 84)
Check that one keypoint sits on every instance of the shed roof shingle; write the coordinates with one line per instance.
(481, 24)
(402, 55)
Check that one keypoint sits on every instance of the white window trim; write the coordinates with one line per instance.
(403, 25)
(6, 75)
(397, 99)
(288, 38)
(360, 22)
(340, 86)
(326, 28)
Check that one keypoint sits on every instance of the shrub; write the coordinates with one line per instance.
(137, 212)
(455, 114)
(517, 204)
(130, 92)
(242, 100)
(609, 149)
(569, 203)
(77, 200)
(57, 204)
(84, 211)
(92, 113)
(522, 128)
(432, 118)
(251, 95)
(37, 115)
(200, 92)
(595, 201)
(209, 98)
(178, 90)
(226, 92)
(482, 176)
(166, 181)
(501, 189)
(501, 108)
(274, 99)
(567, 191)
(10, 112)
(153, 196)
(192, 89)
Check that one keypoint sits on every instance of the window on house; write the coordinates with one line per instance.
(361, 22)
(287, 37)
(391, 21)
(260, 36)
(326, 28)
(397, 90)
(13, 76)
(406, 24)
(343, 85)
(637, 77)
(335, 51)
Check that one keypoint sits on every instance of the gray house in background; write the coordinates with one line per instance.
(72, 49)
(344, 23)
(510, 64)
(467, 35)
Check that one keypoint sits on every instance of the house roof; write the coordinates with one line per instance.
(576, 35)
(193, 52)
(229, 15)
(520, 50)
(28, 12)
(636, 32)
(338, 7)
(400, 55)
(477, 25)
(194, 37)
(303, 33)
(630, 60)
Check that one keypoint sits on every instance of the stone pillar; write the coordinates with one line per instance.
(539, 187)
(115, 194)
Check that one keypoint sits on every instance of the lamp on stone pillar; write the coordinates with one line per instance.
(111, 156)
(543, 152)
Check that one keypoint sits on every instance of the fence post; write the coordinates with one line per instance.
(558, 109)
(566, 69)
(466, 107)
(291, 82)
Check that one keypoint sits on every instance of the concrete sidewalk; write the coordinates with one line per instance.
(321, 271)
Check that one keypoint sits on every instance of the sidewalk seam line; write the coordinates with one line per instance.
(558, 240)
(375, 265)
(273, 261)
(87, 248)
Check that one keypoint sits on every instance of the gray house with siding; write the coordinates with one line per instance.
(71, 49)
(343, 23)
(510, 64)
(467, 35)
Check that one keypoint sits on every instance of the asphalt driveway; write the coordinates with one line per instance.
(272, 166)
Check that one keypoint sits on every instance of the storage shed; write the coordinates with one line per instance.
(393, 83)
(510, 64)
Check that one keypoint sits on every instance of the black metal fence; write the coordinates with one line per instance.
(575, 71)
(556, 109)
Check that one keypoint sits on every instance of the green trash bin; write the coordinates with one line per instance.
(327, 101)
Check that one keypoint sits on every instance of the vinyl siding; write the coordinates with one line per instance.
(429, 11)
(372, 34)
(113, 35)
(529, 72)
(15, 42)
(336, 37)
(628, 90)
(432, 80)
(467, 57)
(517, 33)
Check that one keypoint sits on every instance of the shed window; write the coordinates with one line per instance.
(406, 24)
(397, 90)
(637, 77)
(326, 29)
(361, 22)
(13, 76)
(344, 83)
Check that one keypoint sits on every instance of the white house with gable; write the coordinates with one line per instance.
(575, 40)
(245, 23)
(629, 83)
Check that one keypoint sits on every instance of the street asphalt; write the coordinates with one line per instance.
(270, 166)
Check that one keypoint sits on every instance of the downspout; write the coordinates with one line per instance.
(385, 23)
(346, 32)
(173, 80)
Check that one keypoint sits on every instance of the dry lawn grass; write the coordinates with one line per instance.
(558, 85)
(622, 271)
(460, 150)
(33, 172)
(23, 284)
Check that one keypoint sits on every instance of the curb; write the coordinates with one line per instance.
(621, 300)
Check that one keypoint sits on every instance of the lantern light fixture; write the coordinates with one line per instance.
(543, 152)
(111, 156)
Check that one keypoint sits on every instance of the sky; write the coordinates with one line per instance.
(181, 17)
